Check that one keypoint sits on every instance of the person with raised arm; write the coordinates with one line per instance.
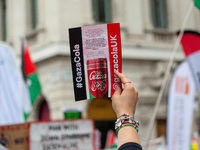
(124, 103)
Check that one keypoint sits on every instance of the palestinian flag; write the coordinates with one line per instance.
(191, 45)
(30, 75)
(111, 140)
(197, 3)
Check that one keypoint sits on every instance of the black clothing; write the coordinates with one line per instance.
(130, 146)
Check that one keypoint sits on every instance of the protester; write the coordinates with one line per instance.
(124, 104)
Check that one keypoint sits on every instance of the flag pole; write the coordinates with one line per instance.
(166, 76)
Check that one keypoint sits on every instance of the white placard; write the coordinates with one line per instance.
(62, 135)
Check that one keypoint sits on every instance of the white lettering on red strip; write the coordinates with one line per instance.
(114, 53)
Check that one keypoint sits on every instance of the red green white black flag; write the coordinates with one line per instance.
(30, 75)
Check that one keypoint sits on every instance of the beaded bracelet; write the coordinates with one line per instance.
(126, 121)
(127, 125)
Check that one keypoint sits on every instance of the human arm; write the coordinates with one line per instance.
(124, 102)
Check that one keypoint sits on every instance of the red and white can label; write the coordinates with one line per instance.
(97, 77)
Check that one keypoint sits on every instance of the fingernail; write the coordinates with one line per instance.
(117, 87)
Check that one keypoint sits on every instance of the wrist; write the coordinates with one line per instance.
(126, 120)
(125, 112)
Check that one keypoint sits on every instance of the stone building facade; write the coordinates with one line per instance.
(148, 33)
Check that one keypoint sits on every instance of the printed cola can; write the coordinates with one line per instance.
(97, 77)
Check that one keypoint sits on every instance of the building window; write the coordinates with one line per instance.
(3, 30)
(34, 15)
(102, 10)
(159, 13)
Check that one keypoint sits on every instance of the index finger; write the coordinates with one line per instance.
(122, 77)
(125, 81)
